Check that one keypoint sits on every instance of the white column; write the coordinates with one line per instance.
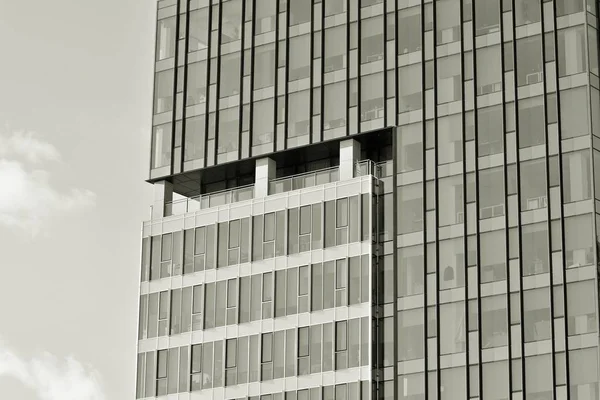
(349, 156)
(264, 173)
(163, 193)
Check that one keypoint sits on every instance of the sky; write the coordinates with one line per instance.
(75, 114)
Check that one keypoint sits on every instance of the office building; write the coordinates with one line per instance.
(372, 199)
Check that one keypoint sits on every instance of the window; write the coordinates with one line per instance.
(409, 147)
(566, 7)
(579, 241)
(531, 122)
(489, 67)
(341, 345)
(264, 66)
(490, 133)
(410, 208)
(161, 146)
(452, 264)
(491, 193)
(195, 131)
(230, 75)
(163, 91)
(411, 280)
(574, 120)
(450, 144)
(535, 249)
(165, 38)
(448, 22)
(533, 185)
(335, 49)
(300, 56)
(581, 309)
(576, 176)
(487, 17)
(333, 7)
(198, 30)
(495, 381)
(175, 312)
(451, 209)
(571, 51)
(494, 323)
(228, 130)
(453, 383)
(411, 387)
(268, 236)
(449, 79)
(529, 61)
(538, 377)
(493, 264)
(163, 313)
(265, 16)
(410, 335)
(372, 47)
(527, 12)
(231, 362)
(452, 328)
(372, 104)
(298, 114)
(410, 98)
(231, 22)
(196, 83)
(334, 113)
(409, 30)
(161, 372)
(263, 127)
(537, 321)
(299, 12)
(303, 351)
(583, 373)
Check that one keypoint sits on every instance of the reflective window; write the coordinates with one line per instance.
(491, 193)
(529, 61)
(581, 309)
(583, 374)
(574, 121)
(299, 61)
(449, 81)
(411, 280)
(263, 126)
(489, 67)
(451, 209)
(535, 249)
(194, 138)
(527, 12)
(372, 104)
(409, 147)
(335, 7)
(495, 381)
(334, 106)
(335, 49)
(452, 263)
(299, 12)
(452, 328)
(538, 377)
(196, 83)
(230, 75)
(410, 98)
(448, 21)
(264, 66)
(453, 383)
(231, 22)
(264, 16)
(410, 334)
(494, 322)
(161, 146)
(565, 7)
(371, 39)
(228, 130)
(198, 30)
(163, 91)
(532, 126)
(487, 17)
(536, 319)
(571, 51)
(409, 30)
(165, 38)
(411, 387)
(576, 173)
(533, 185)
(410, 208)
(299, 113)
(490, 134)
(450, 144)
(493, 256)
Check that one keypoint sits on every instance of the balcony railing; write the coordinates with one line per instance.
(208, 200)
(309, 179)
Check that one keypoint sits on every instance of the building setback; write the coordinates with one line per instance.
(376, 199)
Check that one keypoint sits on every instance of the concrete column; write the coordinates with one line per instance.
(264, 173)
(163, 193)
(349, 156)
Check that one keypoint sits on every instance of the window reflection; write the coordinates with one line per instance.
(372, 106)
(451, 209)
(228, 130)
(449, 79)
(576, 172)
(165, 38)
(263, 123)
(264, 66)
(411, 387)
(538, 377)
(487, 17)
(194, 138)
(533, 185)
(299, 12)
(198, 30)
(448, 21)
(409, 147)
(299, 67)
(450, 144)
(371, 40)
(230, 75)
(565, 7)
(571, 51)
(299, 113)
(410, 334)
(410, 271)
(452, 264)
(536, 319)
(335, 49)
(494, 322)
(489, 68)
(333, 7)
(495, 381)
(410, 98)
(409, 30)
(529, 61)
(574, 121)
(452, 328)
(231, 22)
(490, 134)
(527, 12)
(453, 383)
(491, 193)
(334, 115)
(163, 91)
(196, 83)
(264, 16)
(531, 122)
(535, 249)
(493, 256)
(161, 146)
(410, 208)
(583, 374)
(581, 309)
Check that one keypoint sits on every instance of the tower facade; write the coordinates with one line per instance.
(376, 199)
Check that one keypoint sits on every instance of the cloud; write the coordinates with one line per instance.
(27, 197)
(52, 378)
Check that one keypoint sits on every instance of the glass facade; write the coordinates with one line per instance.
(462, 265)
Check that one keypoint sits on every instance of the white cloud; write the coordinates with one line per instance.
(27, 198)
(52, 378)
